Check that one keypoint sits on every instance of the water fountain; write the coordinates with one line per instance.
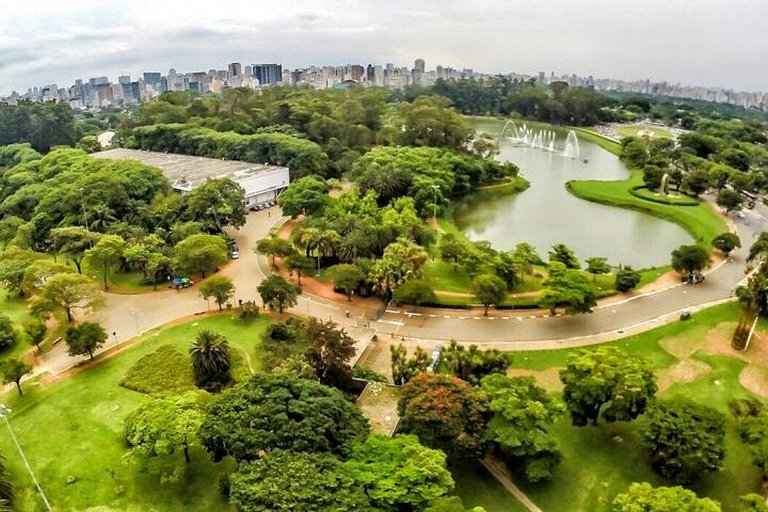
(538, 139)
(571, 145)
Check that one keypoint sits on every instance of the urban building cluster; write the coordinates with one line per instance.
(100, 92)
(755, 99)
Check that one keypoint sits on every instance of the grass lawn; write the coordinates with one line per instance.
(700, 221)
(16, 309)
(639, 130)
(600, 462)
(72, 433)
(477, 487)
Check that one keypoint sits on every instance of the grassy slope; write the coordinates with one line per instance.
(601, 461)
(633, 129)
(700, 221)
(87, 411)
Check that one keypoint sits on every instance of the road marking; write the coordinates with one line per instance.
(461, 317)
(532, 316)
(519, 319)
(432, 316)
(408, 313)
(505, 318)
(391, 322)
(491, 317)
(446, 316)
(394, 311)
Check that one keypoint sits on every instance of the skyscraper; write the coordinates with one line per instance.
(268, 74)
(235, 69)
(419, 66)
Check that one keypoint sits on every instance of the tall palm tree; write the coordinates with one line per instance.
(209, 354)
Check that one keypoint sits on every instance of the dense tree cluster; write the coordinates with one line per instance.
(42, 124)
(557, 103)
(302, 156)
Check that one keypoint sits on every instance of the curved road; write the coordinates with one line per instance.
(129, 315)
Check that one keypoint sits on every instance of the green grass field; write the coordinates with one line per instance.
(601, 461)
(72, 433)
(638, 130)
(700, 221)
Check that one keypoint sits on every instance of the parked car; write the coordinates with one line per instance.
(235, 253)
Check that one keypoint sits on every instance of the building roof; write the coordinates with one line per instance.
(186, 172)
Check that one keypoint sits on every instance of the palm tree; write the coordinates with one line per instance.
(210, 358)
(306, 239)
(327, 243)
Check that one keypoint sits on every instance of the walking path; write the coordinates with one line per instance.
(127, 316)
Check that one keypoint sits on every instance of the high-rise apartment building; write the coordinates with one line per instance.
(268, 74)
(235, 69)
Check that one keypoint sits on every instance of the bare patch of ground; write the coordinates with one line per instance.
(684, 371)
(549, 379)
(755, 379)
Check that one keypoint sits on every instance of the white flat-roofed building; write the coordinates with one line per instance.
(261, 182)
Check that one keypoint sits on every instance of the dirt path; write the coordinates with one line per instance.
(501, 473)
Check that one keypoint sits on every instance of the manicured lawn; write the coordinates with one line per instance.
(700, 221)
(72, 433)
(477, 487)
(601, 461)
(637, 130)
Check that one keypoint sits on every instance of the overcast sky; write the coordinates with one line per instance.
(696, 42)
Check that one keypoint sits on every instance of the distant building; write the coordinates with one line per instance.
(235, 70)
(268, 74)
(262, 183)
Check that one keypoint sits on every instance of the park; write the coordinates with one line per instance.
(488, 265)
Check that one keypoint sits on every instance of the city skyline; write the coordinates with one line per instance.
(660, 41)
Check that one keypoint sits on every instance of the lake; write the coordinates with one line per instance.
(546, 213)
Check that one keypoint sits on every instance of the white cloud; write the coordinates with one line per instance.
(711, 42)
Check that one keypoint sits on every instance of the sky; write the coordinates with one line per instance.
(716, 43)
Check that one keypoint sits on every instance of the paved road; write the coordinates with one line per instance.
(128, 315)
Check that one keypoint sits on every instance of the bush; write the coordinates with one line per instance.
(165, 371)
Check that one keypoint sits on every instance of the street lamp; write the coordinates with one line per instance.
(4, 412)
(82, 205)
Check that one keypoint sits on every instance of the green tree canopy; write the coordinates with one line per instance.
(220, 288)
(627, 278)
(415, 291)
(13, 370)
(563, 254)
(726, 242)
(282, 481)
(685, 440)
(689, 258)
(216, 203)
(201, 254)
(399, 473)
(606, 382)
(405, 368)
(522, 412)
(67, 292)
(281, 411)
(568, 289)
(105, 254)
(162, 426)
(597, 265)
(347, 278)
(277, 293)
(84, 338)
(490, 290)
(472, 364)
(307, 195)
(8, 334)
(642, 497)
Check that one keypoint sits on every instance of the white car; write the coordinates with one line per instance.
(235, 254)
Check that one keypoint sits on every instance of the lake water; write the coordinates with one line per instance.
(546, 213)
